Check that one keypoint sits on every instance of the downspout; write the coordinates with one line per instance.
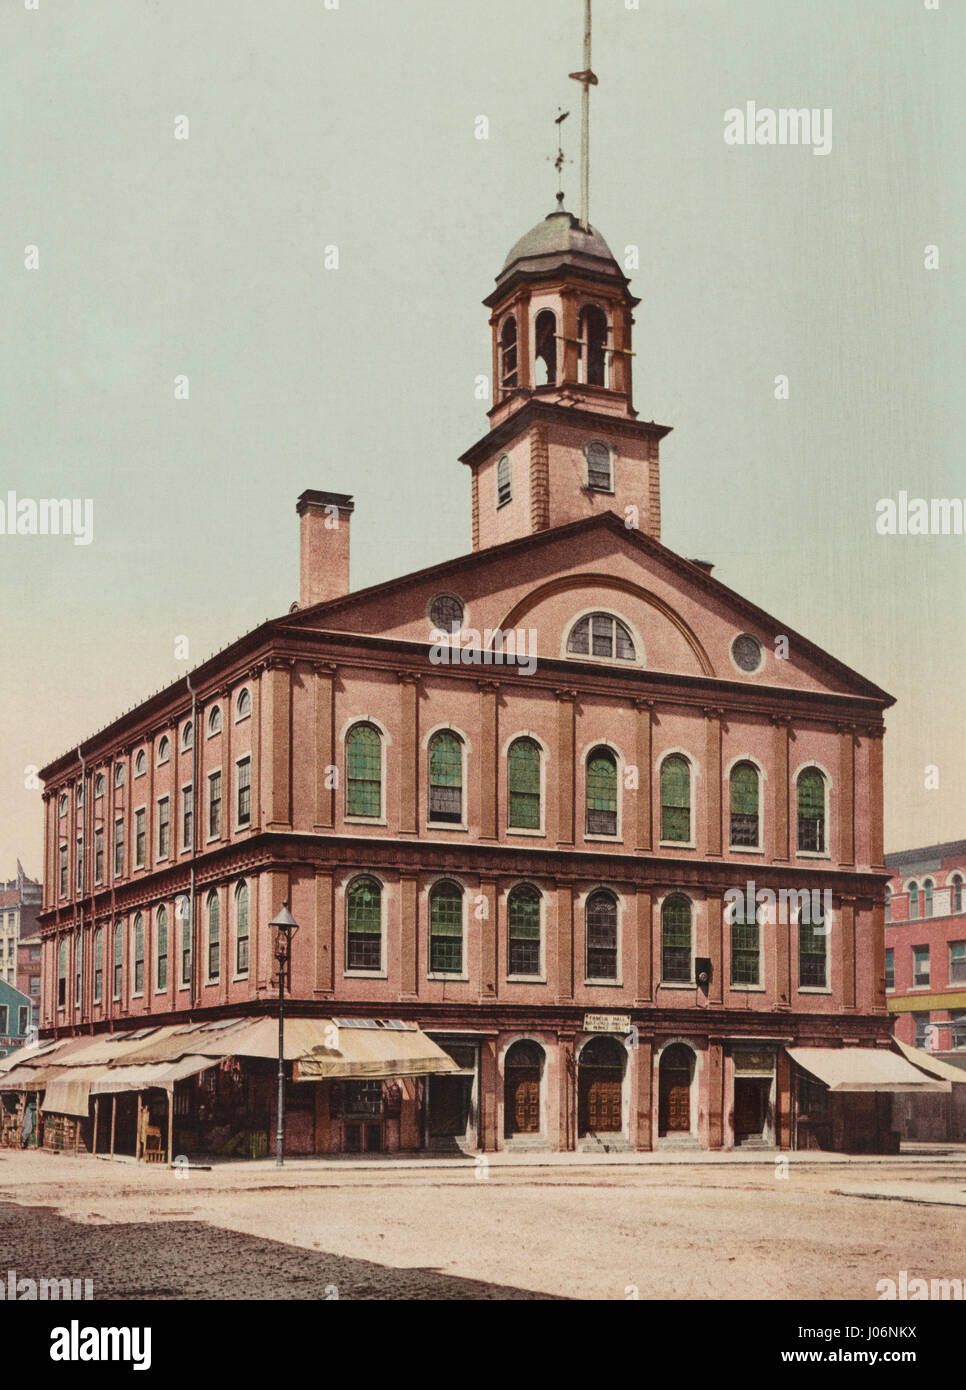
(81, 962)
(194, 840)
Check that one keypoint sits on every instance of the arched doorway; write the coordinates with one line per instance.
(600, 1087)
(676, 1075)
(521, 1089)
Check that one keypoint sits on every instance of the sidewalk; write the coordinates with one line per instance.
(916, 1154)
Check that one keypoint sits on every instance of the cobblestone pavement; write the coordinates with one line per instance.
(591, 1232)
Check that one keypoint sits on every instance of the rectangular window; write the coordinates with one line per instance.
(63, 871)
(187, 818)
(164, 827)
(35, 984)
(79, 863)
(186, 950)
(920, 965)
(957, 962)
(245, 791)
(812, 971)
(214, 806)
(118, 847)
(890, 969)
(922, 1031)
(140, 838)
(959, 1031)
(745, 959)
(99, 856)
(22, 1025)
(3, 1020)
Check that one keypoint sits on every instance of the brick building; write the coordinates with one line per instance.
(512, 801)
(20, 937)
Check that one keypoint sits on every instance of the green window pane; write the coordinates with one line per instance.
(602, 783)
(446, 928)
(363, 772)
(811, 794)
(365, 901)
(524, 778)
(744, 790)
(676, 922)
(524, 913)
(445, 761)
(675, 799)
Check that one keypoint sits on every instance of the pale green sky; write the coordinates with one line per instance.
(355, 127)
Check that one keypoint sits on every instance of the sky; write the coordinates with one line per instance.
(312, 125)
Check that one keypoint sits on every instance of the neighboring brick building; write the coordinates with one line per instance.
(20, 936)
(926, 948)
(527, 858)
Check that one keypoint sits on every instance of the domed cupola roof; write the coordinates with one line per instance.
(558, 243)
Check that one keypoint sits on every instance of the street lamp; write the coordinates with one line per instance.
(285, 928)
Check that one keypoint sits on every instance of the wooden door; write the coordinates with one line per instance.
(675, 1096)
(751, 1098)
(600, 1101)
(522, 1102)
(449, 1103)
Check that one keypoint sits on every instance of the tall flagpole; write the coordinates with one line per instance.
(587, 80)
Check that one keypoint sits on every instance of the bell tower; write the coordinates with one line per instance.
(564, 440)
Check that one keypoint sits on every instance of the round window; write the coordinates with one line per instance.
(746, 651)
(446, 612)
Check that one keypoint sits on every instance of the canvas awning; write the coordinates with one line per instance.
(29, 1078)
(128, 1078)
(188, 1066)
(69, 1093)
(864, 1069)
(374, 1054)
(932, 1066)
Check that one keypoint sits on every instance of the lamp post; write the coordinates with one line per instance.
(285, 928)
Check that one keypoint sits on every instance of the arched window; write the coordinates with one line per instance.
(446, 929)
(812, 943)
(744, 804)
(98, 964)
(601, 817)
(62, 973)
(676, 799)
(593, 346)
(243, 705)
(139, 954)
(446, 778)
(927, 897)
(523, 914)
(508, 354)
(214, 720)
(504, 482)
(600, 467)
(601, 634)
(676, 967)
(184, 911)
(888, 903)
(119, 775)
(62, 804)
(161, 976)
(602, 936)
(118, 959)
(214, 937)
(745, 946)
(957, 886)
(140, 763)
(241, 929)
(811, 810)
(363, 792)
(164, 749)
(363, 949)
(545, 349)
(913, 900)
(99, 784)
(523, 771)
(187, 736)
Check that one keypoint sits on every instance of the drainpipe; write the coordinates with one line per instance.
(194, 840)
(80, 964)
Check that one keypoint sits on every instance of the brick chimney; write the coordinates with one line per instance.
(323, 546)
